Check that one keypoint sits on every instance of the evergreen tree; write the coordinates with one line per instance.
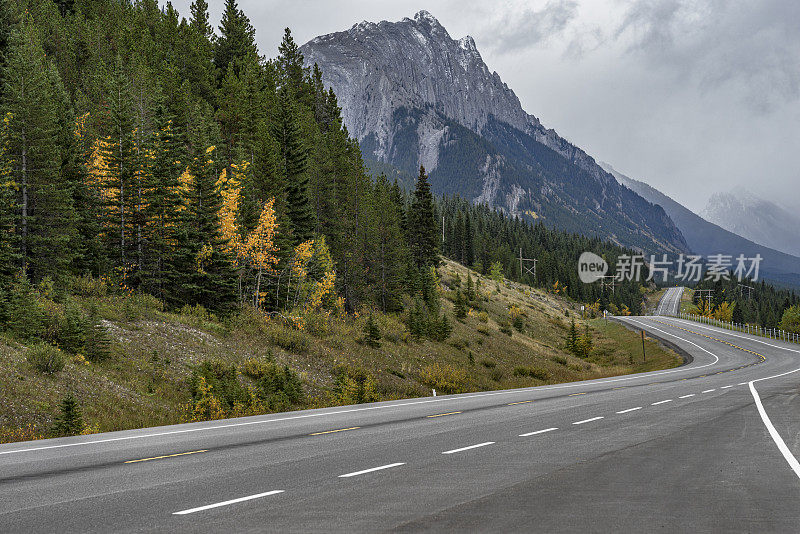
(294, 161)
(30, 104)
(237, 41)
(460, 310)
(372, 333)
(423, 231)
(290, 62)
(69, 421)
(10, 257)
(98, 343)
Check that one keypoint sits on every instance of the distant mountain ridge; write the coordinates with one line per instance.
(754, 218)
(706, 238)
(414, 96)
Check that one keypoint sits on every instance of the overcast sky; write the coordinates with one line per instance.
(690, 96)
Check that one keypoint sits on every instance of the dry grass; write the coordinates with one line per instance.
(145, 381)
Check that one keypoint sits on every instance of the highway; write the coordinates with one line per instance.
(707, 447)
(670, 303)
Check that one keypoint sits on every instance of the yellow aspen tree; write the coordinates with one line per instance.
(259, 248)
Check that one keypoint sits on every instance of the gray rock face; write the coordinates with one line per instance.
(375, 69)
(412, 95)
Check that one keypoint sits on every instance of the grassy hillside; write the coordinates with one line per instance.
(156, 358)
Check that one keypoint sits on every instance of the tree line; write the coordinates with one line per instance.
(174, 160)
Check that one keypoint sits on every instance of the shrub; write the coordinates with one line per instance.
(532, 372)
(489, 364)
(279, 386)
(11, 434)
(559, 359)
(483, 330)
(354, 386)
(204, 405)
(505, 327)
(483, 317)
(444, 378)
(288, 338)
(256, 368)
(496, 375)
(69, 421)
(88, 286)
(222, 382)
(45, 358)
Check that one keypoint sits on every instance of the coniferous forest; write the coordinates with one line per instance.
(173, 160)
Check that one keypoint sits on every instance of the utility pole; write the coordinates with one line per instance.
(608, 281)
(523, 267)
(749, 289)
(644, 352)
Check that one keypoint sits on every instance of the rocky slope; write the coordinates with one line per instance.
(414, 96)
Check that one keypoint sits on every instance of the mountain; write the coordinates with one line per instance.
(759, 220)
(414, 96)
(706, 238)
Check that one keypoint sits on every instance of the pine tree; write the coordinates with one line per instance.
(294, 160)
(372, 333)
(10, 257)
(237, 41)
(572, 338)
(31, 99)
(460, 310)
(290, 62)
(69, 421)
(423, 231)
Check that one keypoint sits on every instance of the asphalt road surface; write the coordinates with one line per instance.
(707, 447)
(670, 303)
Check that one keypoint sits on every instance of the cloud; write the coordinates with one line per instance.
(521, 28)
(751, 47)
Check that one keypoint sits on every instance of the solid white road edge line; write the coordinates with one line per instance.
(462, 449)
(787, 454)
(537, 432)
(630, 410)
(731, 334)
(226, 503)
(587, 420)
(380, 468)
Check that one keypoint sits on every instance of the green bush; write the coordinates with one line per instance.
(88, 286)
(496, 375)
(532, 372)
(288, 338)
(489, 364)
(354, 386)
(45, 358)
(444, 378)
(221, 379)
(280, 386)
(255, 368)
(559, 360)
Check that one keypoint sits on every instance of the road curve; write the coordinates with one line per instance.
(705, 447)
(670, 303)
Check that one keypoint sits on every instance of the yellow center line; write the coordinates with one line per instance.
(166, 456)
(334, 431)
(574, 394)
(443, 414)
(520, 402)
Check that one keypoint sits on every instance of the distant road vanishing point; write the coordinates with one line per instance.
(710, 446)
